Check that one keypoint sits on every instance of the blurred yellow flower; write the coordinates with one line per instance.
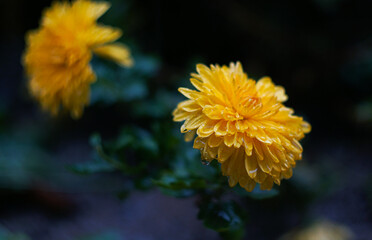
(243, 124)
(57, 54)
(322, 230)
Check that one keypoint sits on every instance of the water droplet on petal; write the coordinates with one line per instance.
(205, 162)
(253, 171)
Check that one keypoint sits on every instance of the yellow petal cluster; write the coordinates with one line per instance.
(243, 124)
(57, 54)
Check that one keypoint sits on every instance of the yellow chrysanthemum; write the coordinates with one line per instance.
(57, 54)
(243, 124)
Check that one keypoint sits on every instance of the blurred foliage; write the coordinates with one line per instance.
(130, 153)
(117, 84)
(227, 218)
(7, 235)
(22, 161)
(25, 164)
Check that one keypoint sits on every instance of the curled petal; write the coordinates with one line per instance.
(220, 128)
(189, 136)
(206, 129)
(193, 122)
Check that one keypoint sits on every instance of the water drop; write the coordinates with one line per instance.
(253, 171)
(205, 162)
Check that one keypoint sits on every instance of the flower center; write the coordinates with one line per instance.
(249, 105)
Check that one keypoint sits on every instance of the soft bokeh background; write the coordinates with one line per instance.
(319, 50)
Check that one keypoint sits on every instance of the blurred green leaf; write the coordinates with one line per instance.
(160, 106)
(129, 153)
(188, 164)
(21, 164)
(143, 183)
(116, 84)
(145, 65)
(96, 142)
(91, 167)
(7, 235)
(188, 175)
(137, 139)
(223, 217)
(172, 182)
(173, 185)
(109, 91)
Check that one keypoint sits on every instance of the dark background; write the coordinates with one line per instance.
(319, 50)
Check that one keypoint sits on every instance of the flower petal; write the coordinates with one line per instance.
(117, 52)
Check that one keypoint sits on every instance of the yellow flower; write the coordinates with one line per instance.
(57, 54)
(243, 124)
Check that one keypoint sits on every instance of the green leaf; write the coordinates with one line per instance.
(96, 142)
(109, 92)
(117, 84)
(173, 182)
(183, 193)
(174, 185)
(222, 216)
(144, 183)
(91, 167)
(159, 106)
(145, 65)
(129, 153)
(137, 139)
